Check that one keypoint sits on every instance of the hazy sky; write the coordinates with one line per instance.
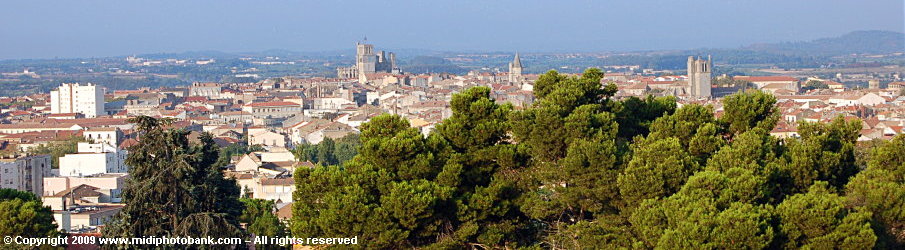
(71, 28)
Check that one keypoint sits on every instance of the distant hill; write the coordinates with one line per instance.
(191, 54)
(857, 42)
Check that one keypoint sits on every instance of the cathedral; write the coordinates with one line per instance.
(368, 62)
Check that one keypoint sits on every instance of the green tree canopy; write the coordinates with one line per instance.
(635, 114)
(825, 152)
(23, 214)
(750, 109)
(880, 189)
(329, 151)
(819, 219)
(384, 195)
(58, 149)
(259, 218)
(571, 135)
(712, 210)
(658, 169)
(815, 84)
(175, 187)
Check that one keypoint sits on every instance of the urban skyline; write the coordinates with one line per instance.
(96, 29)
(736, 140)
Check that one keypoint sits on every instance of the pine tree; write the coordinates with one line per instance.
(819, 219)
(712, 210)
(750, 109)
(175, 188)
(384, 195)
(23, 214)
(658, 168)
(880, 189)
(635, 115)
(825, 152)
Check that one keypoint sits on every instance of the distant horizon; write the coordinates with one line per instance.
(378, 47)
(44, 29)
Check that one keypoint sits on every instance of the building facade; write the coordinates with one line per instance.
(207, 89)
(272, 109)
(110, 185)
(86, 99)
(111, 136)
(25, 173)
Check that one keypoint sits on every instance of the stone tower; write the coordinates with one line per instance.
(873, 84)
(365, 59)
(699, 76)
(515, 69)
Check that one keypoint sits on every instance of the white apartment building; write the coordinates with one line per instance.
(76, 98)
(93, 159)
(25, 173)
(111, 136)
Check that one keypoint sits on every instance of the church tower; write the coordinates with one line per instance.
(369, 61)
(699, 77)
(515, 69)
(365, 59)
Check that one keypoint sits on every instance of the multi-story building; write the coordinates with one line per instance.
(86, 99)
(272, 109)
(93, 159)
(207, 89)
(110, 136)
(25, 173)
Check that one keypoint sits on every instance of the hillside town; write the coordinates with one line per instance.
(279, 115)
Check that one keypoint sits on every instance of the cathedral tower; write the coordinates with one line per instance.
(366, 60)
(699, 76)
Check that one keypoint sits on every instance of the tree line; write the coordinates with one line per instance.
(580, 169)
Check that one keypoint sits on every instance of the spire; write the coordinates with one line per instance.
(516, 62)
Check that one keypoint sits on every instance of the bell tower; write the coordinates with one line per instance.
(699, 76)
(515, 69)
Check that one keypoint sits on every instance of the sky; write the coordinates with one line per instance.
(82, 28)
